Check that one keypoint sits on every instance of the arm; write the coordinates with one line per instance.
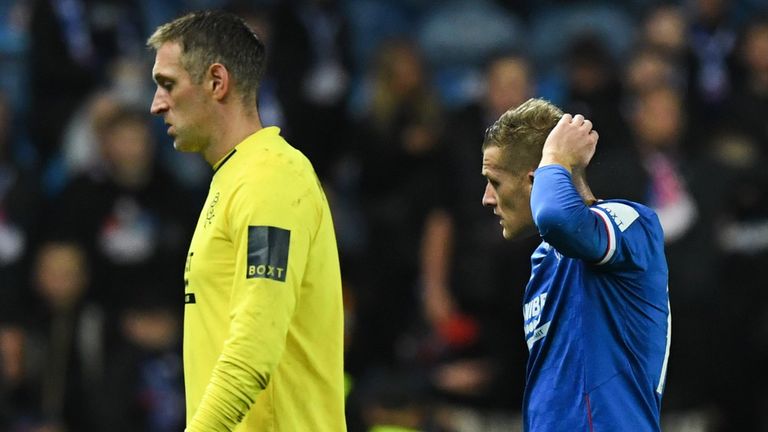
(269, 230)
(603, 233)
(560, 194)
(436, 253)
(562, 218)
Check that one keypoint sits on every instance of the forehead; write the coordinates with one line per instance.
(491, 160)
(168, 60)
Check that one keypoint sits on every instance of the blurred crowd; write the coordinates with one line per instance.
(390, 100)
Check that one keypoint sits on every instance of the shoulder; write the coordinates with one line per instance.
(272, 177)
(273, 163)
(625, 214)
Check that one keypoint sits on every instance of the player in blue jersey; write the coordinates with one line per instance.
(596, 307)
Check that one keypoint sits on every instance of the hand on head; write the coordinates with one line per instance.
(571, 143)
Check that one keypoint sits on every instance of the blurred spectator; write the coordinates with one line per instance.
(11, 372)
(658, 125)
(650, 66)
(64, 347)
(259, 19)
(485, 276)
(80, 146)
(18, 209)
(712, 47)
(310, 62)
(144, 379)
(665, 28)
(736, 179)
(738, 153)
(752, 91)
(19, 202)
(131, 214)
(71, 44)
(593, 88)
(395, 146)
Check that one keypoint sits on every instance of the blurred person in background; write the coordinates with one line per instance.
(129, 211)
(310, 62)
(649, 66)
(738, 217)
(395, 144)
(64, 347)
(594, 87)
(71, 42)
(484, 372)
(144, 377)
(712, 55)
(752, 91)
(263, 321)
(658, 126)
(596, 308)
(665, 27)
(19, 203)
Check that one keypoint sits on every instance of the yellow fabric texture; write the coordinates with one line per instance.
(261, 353)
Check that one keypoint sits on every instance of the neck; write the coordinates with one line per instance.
(579, 176)
(235, 127)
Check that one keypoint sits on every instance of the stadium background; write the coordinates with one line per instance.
(390, 100)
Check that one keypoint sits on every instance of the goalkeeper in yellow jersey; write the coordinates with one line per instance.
(263, 330)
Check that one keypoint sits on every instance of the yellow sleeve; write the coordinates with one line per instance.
(271, 220)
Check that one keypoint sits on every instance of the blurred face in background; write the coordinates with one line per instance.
(400, 69)
(509, 84)
(666, 28)
(61, 274)
(756, 50)
(658, 118)
(648, 68)
(180, 101)
(127, 149)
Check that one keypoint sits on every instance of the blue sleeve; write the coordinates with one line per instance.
(562, 218)
(618, 234)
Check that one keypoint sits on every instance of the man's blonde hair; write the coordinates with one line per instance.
(520, 133)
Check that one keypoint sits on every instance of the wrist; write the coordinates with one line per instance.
(551, 159)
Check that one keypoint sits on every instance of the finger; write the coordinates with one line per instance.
(594, 135)
(565, 119)
(578, 119)
(587, 124)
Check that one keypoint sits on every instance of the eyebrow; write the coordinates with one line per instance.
(159, 76)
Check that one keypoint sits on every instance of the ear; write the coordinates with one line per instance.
(530, 178)
(218, 81)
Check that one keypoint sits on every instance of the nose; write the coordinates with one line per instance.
(159, 104)
(489, 197)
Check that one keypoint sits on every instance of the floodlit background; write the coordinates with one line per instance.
(390, 100)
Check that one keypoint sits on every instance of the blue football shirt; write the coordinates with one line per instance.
(596, 313)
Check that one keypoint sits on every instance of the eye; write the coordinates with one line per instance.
(493, 183)
(166, 85)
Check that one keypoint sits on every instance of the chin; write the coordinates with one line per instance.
(181, 146)
(519, 233)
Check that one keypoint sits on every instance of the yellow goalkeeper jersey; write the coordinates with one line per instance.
(263, 322)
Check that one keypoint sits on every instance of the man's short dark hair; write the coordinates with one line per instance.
(208, 37)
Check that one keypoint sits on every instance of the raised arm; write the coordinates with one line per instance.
(560, 196)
